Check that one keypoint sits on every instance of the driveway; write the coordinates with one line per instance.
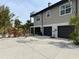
(37, 48)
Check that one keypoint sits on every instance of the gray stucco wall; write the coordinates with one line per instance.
(36, 23)
(55, 17)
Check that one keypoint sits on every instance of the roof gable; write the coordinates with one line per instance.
(52, 6)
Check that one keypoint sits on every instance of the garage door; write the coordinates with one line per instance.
(37, 31)
(48, 31)
(65, 31)
(32, 30)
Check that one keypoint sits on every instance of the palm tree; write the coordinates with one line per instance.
(5, 18)
(28, 24)
(17, 23)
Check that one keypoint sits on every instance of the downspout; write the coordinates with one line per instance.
(30, 28)
(34, 28)
(76, 12)
(76, 4)
(42, 26)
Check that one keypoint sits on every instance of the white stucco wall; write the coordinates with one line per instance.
(55, 28)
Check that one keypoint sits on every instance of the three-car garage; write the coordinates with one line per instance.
(61, 32)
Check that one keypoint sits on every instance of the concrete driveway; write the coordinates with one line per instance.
(37, 48)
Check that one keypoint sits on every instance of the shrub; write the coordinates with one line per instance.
(75, 35)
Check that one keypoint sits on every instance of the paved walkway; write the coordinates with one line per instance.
(37, 48)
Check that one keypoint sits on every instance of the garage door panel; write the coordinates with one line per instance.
(65, 31)
(38, 31)
(32, 30)
(48, 31)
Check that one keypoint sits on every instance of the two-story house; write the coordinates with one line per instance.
(54, 20)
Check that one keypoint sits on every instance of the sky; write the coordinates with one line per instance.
(23, 8)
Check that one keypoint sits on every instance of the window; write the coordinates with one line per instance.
(66, 8)
(37, 18)
(48, 13)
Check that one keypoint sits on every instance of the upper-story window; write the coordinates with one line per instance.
(37, 18)
(65, 8)
(48, 13)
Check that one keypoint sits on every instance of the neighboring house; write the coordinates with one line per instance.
(54, 20)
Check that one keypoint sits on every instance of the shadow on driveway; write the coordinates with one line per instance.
(61, 43)
(42, 37)
(25, 41)
(64, 45)
(21, 41)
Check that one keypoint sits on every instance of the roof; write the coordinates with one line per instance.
(52, 6)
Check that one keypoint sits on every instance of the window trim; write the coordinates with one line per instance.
(49, 11)
(64, 9)
(38, 16)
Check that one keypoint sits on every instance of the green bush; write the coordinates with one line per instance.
(75, 35)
